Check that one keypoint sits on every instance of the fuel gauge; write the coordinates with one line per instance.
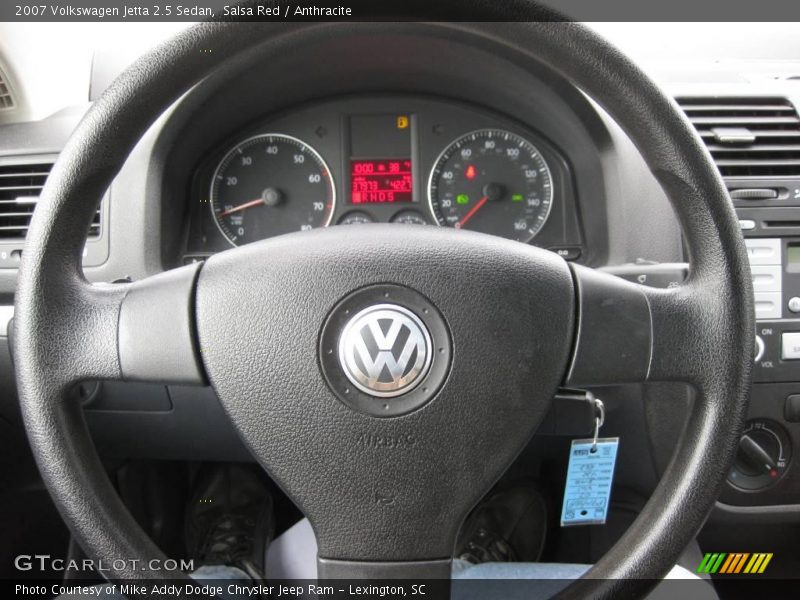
(356, 217)
(409, 217)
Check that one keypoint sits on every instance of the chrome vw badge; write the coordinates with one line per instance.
(385, 350)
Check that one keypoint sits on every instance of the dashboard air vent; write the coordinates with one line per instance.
(748, 137)
(20, 186)
(6, 99)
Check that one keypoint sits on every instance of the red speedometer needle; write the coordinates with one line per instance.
(471, 212)
(241, 207)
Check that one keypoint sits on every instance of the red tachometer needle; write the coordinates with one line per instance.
(471, 212)
(241, 207)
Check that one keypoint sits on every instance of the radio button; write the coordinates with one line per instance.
(764, 251)
(768, 305)
(790, 346)
(747, 224)
(766, 278)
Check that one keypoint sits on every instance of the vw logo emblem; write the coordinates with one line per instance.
(385, 350)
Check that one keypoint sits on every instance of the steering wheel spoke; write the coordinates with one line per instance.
(631, 333)
(141, 331)
(156, 332)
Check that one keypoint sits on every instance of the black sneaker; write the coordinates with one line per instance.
(510, 525)
(230, 518)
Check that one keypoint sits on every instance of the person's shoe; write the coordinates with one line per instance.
(230, 518)
(508, 526)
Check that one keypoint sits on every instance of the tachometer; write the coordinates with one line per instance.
(493, 181)
(268, 185)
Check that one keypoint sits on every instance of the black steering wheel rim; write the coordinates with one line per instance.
(66, 329)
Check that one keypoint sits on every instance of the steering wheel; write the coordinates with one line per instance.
(490, 329)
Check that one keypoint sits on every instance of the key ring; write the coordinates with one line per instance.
(598, 422)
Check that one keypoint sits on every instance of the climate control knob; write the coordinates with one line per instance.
(763, 456)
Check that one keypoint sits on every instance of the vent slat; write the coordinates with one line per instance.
(17, 214)
(735, 108)
(750, 136)
(762, 133)
(734, 101)
(755, 148)
(733, 162)
(745, 120)
(20, 186)
(40, 174)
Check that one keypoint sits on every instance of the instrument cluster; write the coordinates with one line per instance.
(409, 161)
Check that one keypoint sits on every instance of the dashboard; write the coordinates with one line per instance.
(282, 141)
(430, 131)
(400, 159)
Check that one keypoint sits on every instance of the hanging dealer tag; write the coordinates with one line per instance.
(589, 477)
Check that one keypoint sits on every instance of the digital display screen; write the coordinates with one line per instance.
(793, 254)
(793, 258)
(382, 180)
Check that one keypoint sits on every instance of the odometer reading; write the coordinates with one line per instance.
(269, 185)
(380, 181)
(492, 181)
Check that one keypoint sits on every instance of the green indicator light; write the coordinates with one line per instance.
(517, 197)
(462, 199)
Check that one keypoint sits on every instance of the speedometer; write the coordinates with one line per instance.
(268, 185)
(492, 181)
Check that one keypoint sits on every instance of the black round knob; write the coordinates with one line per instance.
(758, 453)
(762, 457)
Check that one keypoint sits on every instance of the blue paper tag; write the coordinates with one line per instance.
(589, 478)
